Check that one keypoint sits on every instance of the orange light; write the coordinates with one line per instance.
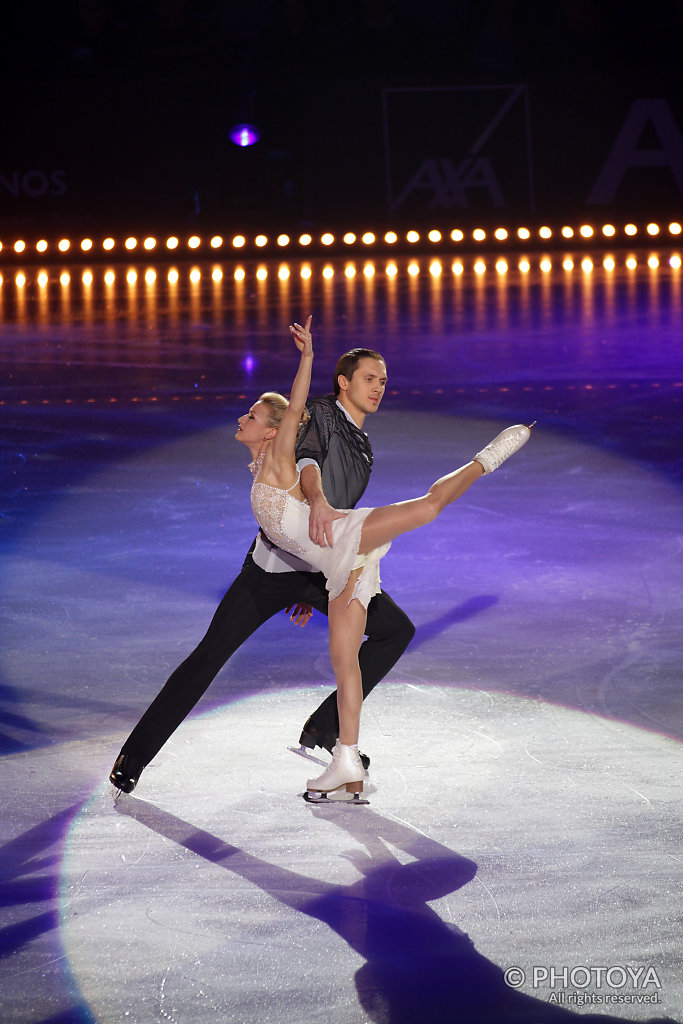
(20, 280)
(261, 274)
(568, 264)
(630, 229)
(435, 268)
(413, 269)
(194, 242)
(391, 270)
(108, 244)
(87, 278)
(283, 272)
(172, 242)
(149, 244)
(586, 231)
(631, 263)
(131, 277)
(368, 238)
(479, 234)
(523, 233)
(64, 279)
(195, 275)
(653, 229)
(524, 266)
(586, 265)
(150, 276)
(609, 230)
(413, 237)
(349, 238)
(86, 244)
(545, 265)
(480, 267)
(216, 242)
(283, 240)
(457, 235)
(369, 269)
(457, 268)
(306, 271)
(305, 239)
(130, 243)
(567, 232)
(109, 278)
(41, 246)
(545, 232)
(434, 235)
(173, 276)
(350, 270)
(64, 245)
(675, 262)
(260, 241)
(42, 279)
(239, 274)
(674, 228)
(19, 246)
(391, 237)
(608, 263)
(501, 267)
(328, 272)
(327, 238)
(501, 234)
(216, 274)
(238, 241)
(653, 262)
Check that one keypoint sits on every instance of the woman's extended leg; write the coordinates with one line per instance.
(389, 521)
(383, 524)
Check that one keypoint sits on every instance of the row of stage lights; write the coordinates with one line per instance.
(391, 270)
(368, 238)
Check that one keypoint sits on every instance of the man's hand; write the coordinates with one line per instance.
(320, 520)
(301, 614)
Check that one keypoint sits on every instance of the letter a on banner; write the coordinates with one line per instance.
(625, 153)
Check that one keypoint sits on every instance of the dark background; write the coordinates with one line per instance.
(117, 113)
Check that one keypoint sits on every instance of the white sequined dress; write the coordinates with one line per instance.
(284, 520)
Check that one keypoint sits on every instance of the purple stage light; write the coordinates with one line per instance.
(244, 134)
(249, 363)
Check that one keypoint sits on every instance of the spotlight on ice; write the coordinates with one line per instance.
(244, 134)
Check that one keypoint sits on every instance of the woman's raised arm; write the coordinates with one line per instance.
(288, 430)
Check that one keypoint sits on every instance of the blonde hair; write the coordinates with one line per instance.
(275, 406)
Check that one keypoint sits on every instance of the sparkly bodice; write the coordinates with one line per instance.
(281, 516)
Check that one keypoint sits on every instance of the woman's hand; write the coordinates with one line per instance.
(302, 336)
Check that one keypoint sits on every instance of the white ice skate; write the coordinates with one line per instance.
(503, 446)
(345, 771)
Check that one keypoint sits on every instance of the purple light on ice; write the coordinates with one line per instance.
(244, 134)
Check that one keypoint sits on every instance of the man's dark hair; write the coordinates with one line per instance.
(348, 364)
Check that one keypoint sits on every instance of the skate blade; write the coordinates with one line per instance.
(303, 752)
(313, 797)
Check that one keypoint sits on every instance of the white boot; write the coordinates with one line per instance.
(503, 446)
(345, 770)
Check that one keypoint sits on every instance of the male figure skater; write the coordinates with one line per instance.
(335, 460)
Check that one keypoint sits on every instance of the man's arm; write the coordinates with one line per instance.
(322, 514)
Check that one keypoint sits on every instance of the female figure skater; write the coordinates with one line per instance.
(361, 537)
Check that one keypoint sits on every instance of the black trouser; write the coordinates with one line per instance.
(253, 598)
